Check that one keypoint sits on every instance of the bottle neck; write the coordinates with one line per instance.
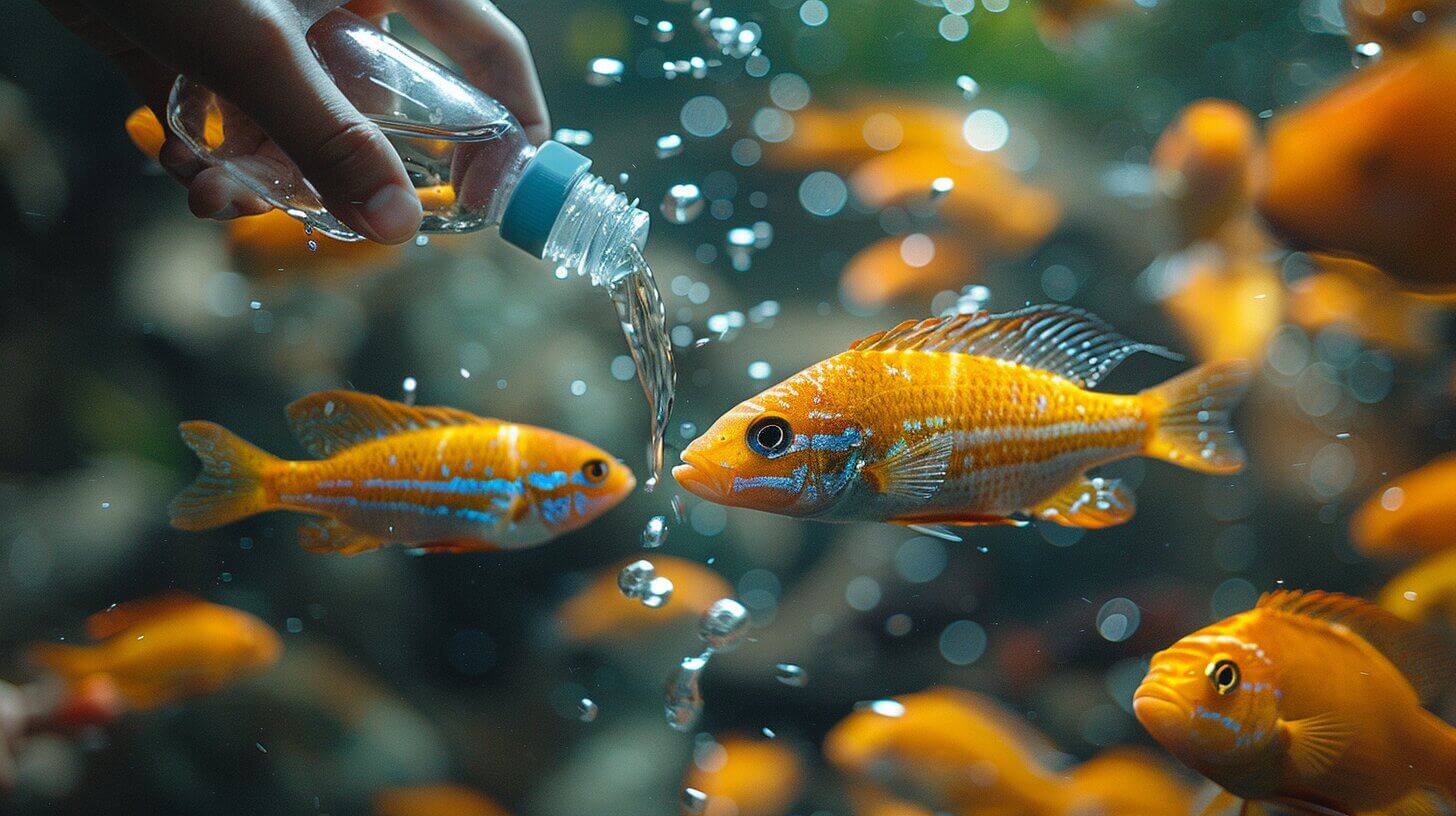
(594, 229)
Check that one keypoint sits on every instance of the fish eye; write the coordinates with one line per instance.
(595, 471)
(770, 436)
(1224, 674)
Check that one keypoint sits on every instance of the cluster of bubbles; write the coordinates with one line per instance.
(639, 581)
(722, 629)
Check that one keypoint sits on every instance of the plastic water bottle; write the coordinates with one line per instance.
(467, 156)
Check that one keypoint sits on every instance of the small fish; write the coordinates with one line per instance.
(1412, 515)
(846, 137)
(1359, 299)
(1309, 697)
(752, 777)
(148, 135)
(430, 477)
(890, 270)
(971, 419)
(435, 800)
(1128, 781)
(600, 610)
(1204, 163)
(165, 648)
(1226, 301)
(1365, 169)
(949, 750)
(1425, 592)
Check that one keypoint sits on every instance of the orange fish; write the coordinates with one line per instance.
(949, 750)
(1394, 23)
(1304, 698)
(431, 477)
(435, 800)
(1128, 781)
(1366, 170)
(1424, 592)
(1227, 303)
(843, 138)
(600, 609)
(751, 777)
(1204, 162)
(147, 133)
(903, 266)
(1415, 514)
(165, 648)
(274, 241)
(970, 419)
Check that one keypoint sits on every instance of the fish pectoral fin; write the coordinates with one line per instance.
(1090, 503)
(1316, 743)
(333, 536)
(939, 531)
(912, 472)
(940, 526)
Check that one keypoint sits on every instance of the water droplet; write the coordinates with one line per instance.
(724, 625)
(791, 675)
(573, 137)
(677, 510)
(409, 386)
(105, 505)
(669, 145)
(578, 387)
(655, 533)
(768, 732)
(969, 87)
(694, 801)
(623, 178)
(634, 578)
(683, 699)
(255, 305)
(682, 204)
(604, 71)
(1366, 53)
(422, 240)
(586, 710)
(659, 592)
(663, 31)
(465, 373)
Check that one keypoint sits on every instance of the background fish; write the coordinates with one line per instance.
(964, 420)
(438, 478)
(1304, 697)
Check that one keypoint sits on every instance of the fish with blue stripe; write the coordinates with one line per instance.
(434, 478)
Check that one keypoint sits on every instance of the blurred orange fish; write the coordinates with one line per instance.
(600, 609)
(971, 419)
(751, 777)
(1394, 23)
(1204, 162)
(904, 266)
(275, 242)
(435, 800)
(147, 133)
(1303, 698)
(1128, 781)
(165, 648)
(1425, 592)
(843, 138)
(431, 477)
(1366, 170)
(1227, 303)
(1060, 19)
(1415, 514)
(948, 750)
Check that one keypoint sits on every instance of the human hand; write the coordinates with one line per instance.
(254, 54)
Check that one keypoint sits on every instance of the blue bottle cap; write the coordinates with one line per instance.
(540, 195)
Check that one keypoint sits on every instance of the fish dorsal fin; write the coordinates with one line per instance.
(1414, 651)
(326, 422)
(124, 615)
(1061, 339)
(1317, 743)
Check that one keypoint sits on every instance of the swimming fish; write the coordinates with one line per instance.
(969, 419)
(899, 267)
(1359, 299)
(435, 800)
(1309, 697)
(750, 777)
(1204, 164)
(1365, 169)
(1128, 781)
(165, 648)
(1426, 591)
(949, 750)
(1226, 300)
(436, 478)
(600, 610)
(1413, 514)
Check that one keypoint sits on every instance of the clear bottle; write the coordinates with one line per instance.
(467, 156)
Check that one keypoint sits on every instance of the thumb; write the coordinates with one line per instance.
(347, 158)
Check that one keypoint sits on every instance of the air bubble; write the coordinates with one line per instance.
(659, 592)
(604, 71)
(683, 698)
(1366, 53)
(635, 578)
(724, 625)
(791, 675)
(654, 535)
(573, 137)
(669, 145)
(663, 31)
(682, 204)
(694, 801)
(586, 710)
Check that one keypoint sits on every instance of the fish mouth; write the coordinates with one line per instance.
(1154, 703)
(698, 477)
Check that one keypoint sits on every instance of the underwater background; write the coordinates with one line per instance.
(121, 316)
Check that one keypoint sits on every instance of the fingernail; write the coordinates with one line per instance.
(393, 213)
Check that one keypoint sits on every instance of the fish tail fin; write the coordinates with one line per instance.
(1190, 417)
(71, 663)
(230, 486)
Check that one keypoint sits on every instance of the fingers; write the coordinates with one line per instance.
(491, 50)
(214, 194)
